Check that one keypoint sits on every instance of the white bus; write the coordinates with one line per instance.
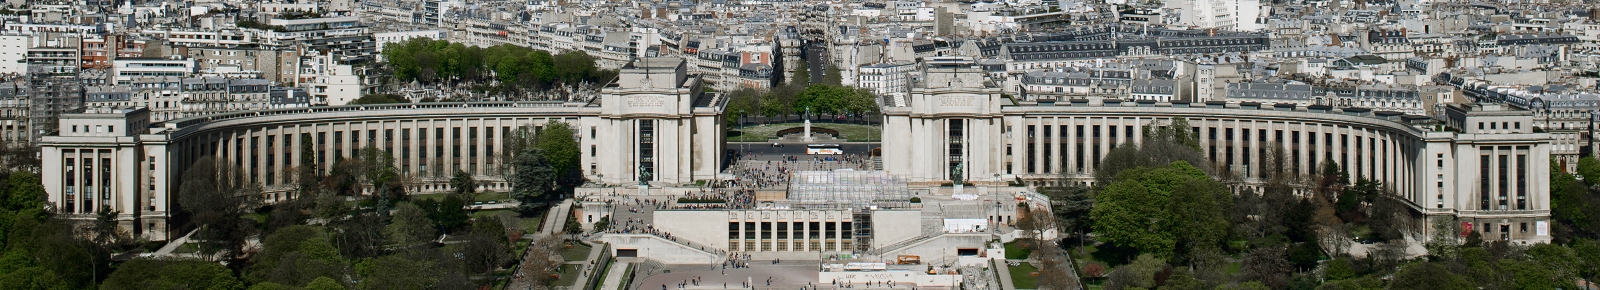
(824, 149)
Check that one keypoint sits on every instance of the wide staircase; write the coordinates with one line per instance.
(932, 227)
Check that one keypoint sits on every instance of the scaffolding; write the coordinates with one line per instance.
(847, 189)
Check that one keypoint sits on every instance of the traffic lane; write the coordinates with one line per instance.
(760, 150)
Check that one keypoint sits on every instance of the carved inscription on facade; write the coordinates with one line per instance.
(645, 101)
(956, 101)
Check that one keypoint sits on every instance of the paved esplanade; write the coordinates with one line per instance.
(782, 276)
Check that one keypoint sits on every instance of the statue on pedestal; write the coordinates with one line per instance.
(955, 174)
(644, 176)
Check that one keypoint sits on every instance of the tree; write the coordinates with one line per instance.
(1192, 216)
(1162, 145)
(171, 274)
(1445, 240)
(1181, 279)
(393, 272)
(560, 147)
(1574, 210)
(1122, 214)
(1587, 262)
(106, 234)
(45, 253)
(602, 224)
(831, 76)
(486, 247)
(1428, 276)
(375, 99)
(324, 283)
(463, 184)
(216, 195)
(1589, 168)
(449, 213)
(1071, 205)
(381, 174)
(543, 257)
(410, 225)
(23, 190)
(532, 178)
(574, 66)
(295, 255)
(571, 226)
(1033, 224)
(516, 142)
(1140, 274)
(802, 74)
(359, 236)
(1268, 265)
(1338, 269)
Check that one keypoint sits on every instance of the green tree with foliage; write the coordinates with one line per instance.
(375, 99)
(1071, 205)
(171, 274)
(295, 255)
(1574, 210)
(802, 74)
(1589, 168)
(463, 184)
(393, 272)
(382, 174)
(410, 226)
(324, 283)
(1162, 145)
(1189, 200)
(309, 173)
(831, 76)
(560, 146)
(448, 213)
(1429, 276)
(532, 178)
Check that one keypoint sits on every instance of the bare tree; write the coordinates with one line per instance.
(543, 258)
(216, 195)
(1054, 270)
(1336, 238)
(1033, 224)
(1269, 265)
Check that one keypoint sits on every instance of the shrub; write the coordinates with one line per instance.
(1094, 270)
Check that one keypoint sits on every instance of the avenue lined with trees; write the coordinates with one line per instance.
(512, 71)
(794, 98)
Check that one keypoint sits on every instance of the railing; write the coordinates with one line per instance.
(681, 242)
(186, 122)
(902, 244)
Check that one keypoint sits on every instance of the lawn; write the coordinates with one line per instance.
(513, 219)
(760, 133)
(481, 196)
(1016, 252)
(569, 275)
(604, 270)
(578, 252)
(1022, 276)
(187, 248)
